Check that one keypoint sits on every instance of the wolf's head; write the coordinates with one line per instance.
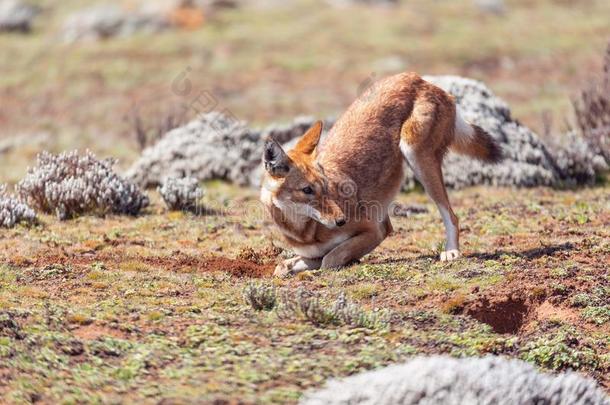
(296, 184)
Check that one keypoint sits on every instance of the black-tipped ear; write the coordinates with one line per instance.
(277, 162)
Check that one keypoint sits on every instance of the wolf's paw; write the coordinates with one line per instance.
(295, 265)
(450, 255)
(290, 267)
(284, 269)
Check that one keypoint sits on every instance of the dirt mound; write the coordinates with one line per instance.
(505, 314)
(179, 262)
(237, 267)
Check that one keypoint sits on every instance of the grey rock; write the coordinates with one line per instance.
(528, 160)
(497, 7)
(216, 146)
(16, 15)
(106, 21)
(441, 380)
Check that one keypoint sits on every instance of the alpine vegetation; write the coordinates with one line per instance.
(309, 306)
(13, 211)
(181, 194)
(69, 185)
(592, 111)
(260, 296)
(444, 380)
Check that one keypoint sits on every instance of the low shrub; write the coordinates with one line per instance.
(592, 111)
(13, 211)
(181, 194)
(311, 307)
(260, 296)
(302, 304)
(70, 185)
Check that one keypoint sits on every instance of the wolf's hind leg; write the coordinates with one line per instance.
(353, 248)
(427, 169)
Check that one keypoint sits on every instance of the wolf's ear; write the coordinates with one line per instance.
(308, 142)
(277, 162)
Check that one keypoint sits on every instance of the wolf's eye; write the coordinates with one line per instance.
(308, 190)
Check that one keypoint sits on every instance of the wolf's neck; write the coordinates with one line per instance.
(296, 227)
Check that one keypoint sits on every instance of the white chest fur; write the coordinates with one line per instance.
(318, 250)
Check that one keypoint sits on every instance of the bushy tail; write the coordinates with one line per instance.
(473, 141)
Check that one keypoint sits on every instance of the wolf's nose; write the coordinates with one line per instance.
(340, 222)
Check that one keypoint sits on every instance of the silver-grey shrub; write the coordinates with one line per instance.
(71, 184)
(260, 296)
(181, 194)
(13, 211)
(442, 380)
(303, 304)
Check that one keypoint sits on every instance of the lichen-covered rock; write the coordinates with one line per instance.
(497, 7)
(13, 211)
(344, 3)
(529, 161)
(70, 185)
(16, 15)
(181, 194)
(442, 380)
(216, 146)
(110, 20)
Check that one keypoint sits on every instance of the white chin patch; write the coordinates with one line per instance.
(298, 210)
(328, 224)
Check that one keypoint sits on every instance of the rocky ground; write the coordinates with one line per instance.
(161, 307)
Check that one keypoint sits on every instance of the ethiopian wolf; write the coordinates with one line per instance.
(330, 195)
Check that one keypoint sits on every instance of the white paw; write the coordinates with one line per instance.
(450, 255)
(283, 269)
(289, 267)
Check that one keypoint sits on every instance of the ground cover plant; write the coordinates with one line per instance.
(174, 306)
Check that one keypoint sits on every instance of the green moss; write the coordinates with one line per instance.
(560, 350)
(597, 315)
